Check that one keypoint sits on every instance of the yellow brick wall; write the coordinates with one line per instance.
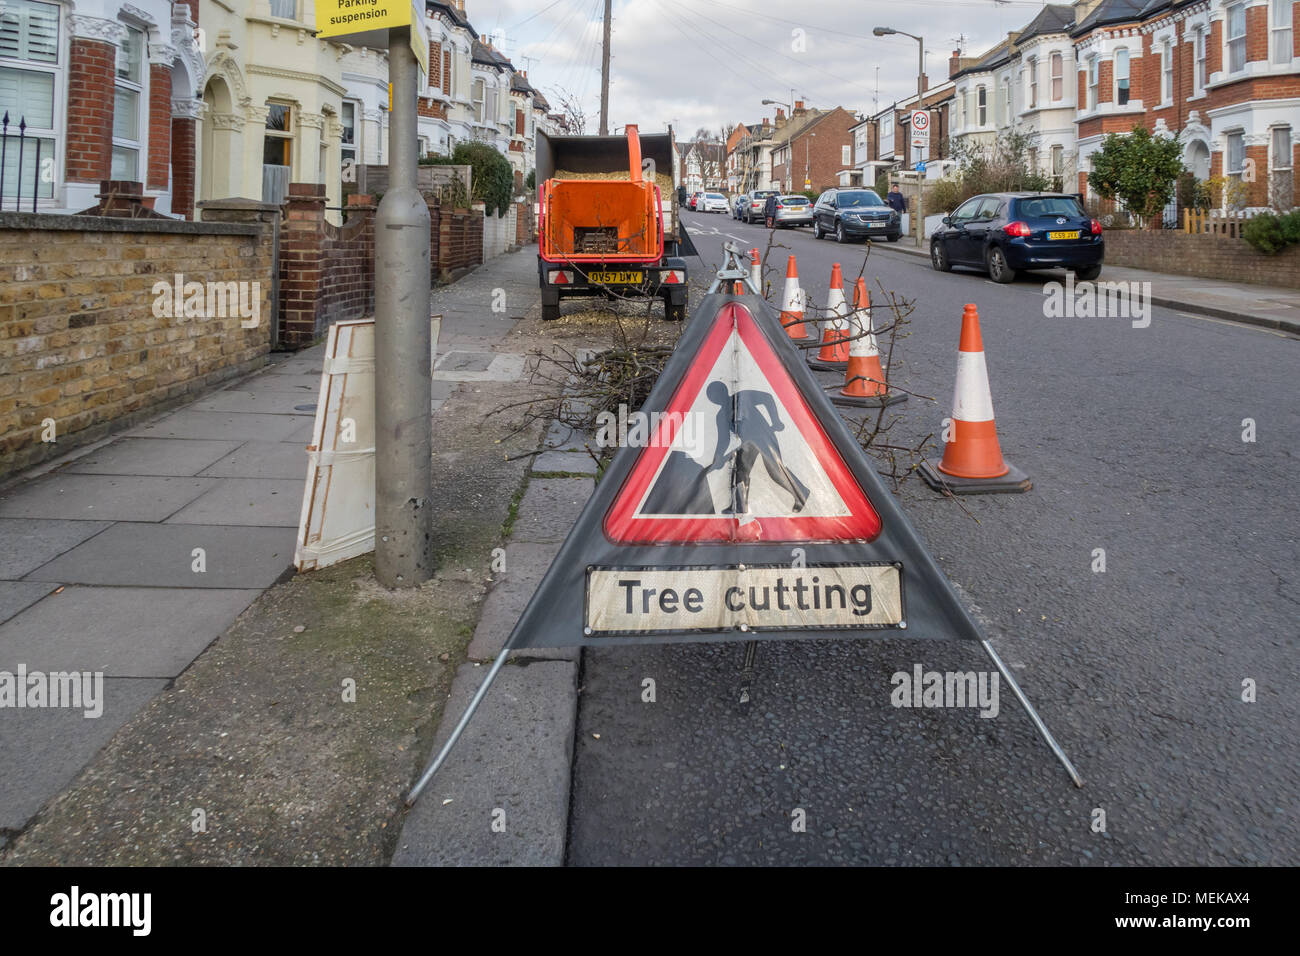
(79, 341)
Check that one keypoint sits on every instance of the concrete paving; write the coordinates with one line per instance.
(97, 563)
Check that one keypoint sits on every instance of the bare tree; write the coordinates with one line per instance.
(575, 117)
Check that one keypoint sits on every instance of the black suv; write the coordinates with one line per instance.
(1001, 233)
(855, 214)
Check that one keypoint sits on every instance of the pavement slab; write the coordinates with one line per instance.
(262, 459)
(17, 595)
(511, 591)
(570, 462)
(550, 507)
(256, 502)
(27, 543)
(152, 456)
(43, 749)
(102, 497)
(160, 555)
(189, 423)
(122, 631)
(502, 797)
(249, 400)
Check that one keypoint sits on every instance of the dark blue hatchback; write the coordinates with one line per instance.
(1001, 233)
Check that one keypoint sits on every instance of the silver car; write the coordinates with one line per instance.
(793, 211)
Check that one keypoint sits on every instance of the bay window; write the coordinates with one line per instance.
(1058, 77)
(30, 74)
(1236, 38)
(1279, 31)
(127, 97)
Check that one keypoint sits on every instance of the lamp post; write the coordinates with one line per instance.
(807, 183)
(920, 104)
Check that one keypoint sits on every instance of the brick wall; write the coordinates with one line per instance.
(182, 165)
(160, 125)
(91, 66)
(80, 342)
(457, 242)
(1208, 257)
(327, 272)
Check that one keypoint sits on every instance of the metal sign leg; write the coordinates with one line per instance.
(460, 728)
(747, 670)
(1033, 714)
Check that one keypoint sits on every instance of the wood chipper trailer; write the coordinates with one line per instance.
(607, 220)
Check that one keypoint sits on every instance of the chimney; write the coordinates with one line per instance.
(780, 119)
(798, 109)
(925, 82)
(954, 63)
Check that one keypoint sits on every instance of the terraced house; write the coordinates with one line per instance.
(1222, 75)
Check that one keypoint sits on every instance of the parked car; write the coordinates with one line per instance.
(1001, 233)
(849, 214)
(755, 202)
(738, 203)
(793, 211)
(694, 201)
(713, 202)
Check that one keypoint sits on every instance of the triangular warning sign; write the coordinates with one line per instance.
(737, 455)
(746, 510)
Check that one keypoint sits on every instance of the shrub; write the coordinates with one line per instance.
(1264, 232)
(1139, 169)
(944, 195)
(492, 178)
(1290, 224)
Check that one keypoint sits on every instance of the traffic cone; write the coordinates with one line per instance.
(834, 353)
(792, 306)
(972, 459)
(864, 378)
(756, 270)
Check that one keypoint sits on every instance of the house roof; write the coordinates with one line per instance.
(1053, 18)
(1110, 11)
(457, 17)
(540, 101)
(795, 126)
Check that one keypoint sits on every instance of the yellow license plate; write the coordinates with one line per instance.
(617, 278)
(1063, 235)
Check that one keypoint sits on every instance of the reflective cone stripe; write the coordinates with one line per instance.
(756, 270)
(835, 348)
(863, 377)
(973, 451)
(792, 306)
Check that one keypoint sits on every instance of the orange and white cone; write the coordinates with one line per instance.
(972, 459)
(864, 378)
(792, 305)
(756, 270)
(834, 353)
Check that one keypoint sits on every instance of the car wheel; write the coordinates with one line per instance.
(839, 233)
(999, 271)
(817, 229)
(895, 237)
(1088, 274)
(939, 258)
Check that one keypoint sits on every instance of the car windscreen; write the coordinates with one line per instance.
(854, 200)
(714, 196)
(763, 194)
(1041, 207)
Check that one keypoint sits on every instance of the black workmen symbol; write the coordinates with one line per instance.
(747, 425)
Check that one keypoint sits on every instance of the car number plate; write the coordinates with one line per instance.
(1063, 235)
(875, 225)
(617, 278)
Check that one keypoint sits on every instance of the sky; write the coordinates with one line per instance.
(702, 63)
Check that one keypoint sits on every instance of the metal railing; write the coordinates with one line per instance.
(22, 138)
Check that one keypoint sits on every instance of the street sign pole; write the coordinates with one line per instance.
(403, 377)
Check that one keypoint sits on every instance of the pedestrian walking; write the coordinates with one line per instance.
(896, 200)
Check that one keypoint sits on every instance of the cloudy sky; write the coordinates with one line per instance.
(704, 62)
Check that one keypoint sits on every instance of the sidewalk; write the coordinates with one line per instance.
(1269, 307)
(100, 568)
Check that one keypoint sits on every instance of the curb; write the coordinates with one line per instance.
(1281, 325)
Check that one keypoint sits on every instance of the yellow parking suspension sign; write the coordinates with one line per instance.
(336, 18)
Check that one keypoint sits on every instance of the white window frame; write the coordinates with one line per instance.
(1167, 71)
(1279, 32)
(139, 89)
(478, 96)
(1274, 156)
(1006, 101)
(1229, 39)
(846, 155)
(50, 136)
(1031, 65)
(1056, 66)
(353, 149)
(1093, 82)
(1229, 170)
(1200, 60)
(280, 14)
(1122, 54)
(981, 105)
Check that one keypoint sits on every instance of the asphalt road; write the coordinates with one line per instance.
(1133, 439)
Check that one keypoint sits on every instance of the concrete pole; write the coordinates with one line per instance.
(403, 378)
